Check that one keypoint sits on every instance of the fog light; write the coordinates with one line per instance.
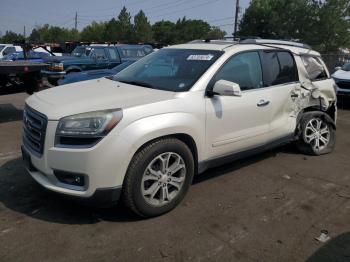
(70, 178)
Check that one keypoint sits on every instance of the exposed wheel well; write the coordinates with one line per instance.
(330, 116)
(331, 111)
(185, 138)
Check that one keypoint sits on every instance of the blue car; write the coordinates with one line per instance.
(32, 56)
(93, 74)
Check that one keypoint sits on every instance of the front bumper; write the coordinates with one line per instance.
(53, 74)
(103, 165)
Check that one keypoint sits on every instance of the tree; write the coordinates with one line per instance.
(142, 28)
(215, 33)
(164, 32)
(188, 30)
(333, 26)
(112, 31)
(323, 24)
(53, 34)
(93, 32)
(124, 20)
(9, 37)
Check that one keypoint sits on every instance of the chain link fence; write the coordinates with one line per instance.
(334, 60)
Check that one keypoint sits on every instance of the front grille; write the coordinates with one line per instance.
(34, 130)
(343, 84)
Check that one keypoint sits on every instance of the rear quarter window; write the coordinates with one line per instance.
(314, 68)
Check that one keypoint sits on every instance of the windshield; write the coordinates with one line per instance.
(346, 67)
(1, 47)
(81, 51)
(169, 69)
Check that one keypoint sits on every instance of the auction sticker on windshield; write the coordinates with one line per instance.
(200, 57)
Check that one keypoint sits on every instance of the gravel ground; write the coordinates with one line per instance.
(269, 207)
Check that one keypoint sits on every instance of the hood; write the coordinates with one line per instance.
(341, 74)
(93, 95)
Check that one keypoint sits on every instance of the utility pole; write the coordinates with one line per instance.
(76, 21)
(24, 31)
(236, 19)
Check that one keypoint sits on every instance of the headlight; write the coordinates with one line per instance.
(57, 66)
(87, 128)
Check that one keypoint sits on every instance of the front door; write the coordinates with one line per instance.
(238, 123)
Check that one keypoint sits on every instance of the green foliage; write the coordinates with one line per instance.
(323, 24)
(142, 28)
(94, 32)
(53, 34)
(9, 37)
(187, 30)
(126, 29)
(215, 33)
(164, 32)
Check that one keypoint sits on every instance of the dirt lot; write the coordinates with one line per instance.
(265, 208)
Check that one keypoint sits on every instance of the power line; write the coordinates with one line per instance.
(185, 9)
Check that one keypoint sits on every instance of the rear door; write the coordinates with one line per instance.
(281, 79)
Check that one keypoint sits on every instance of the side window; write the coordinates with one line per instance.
(99, 53)
(9, 50)
(243, 69)
(289, 72)
(314, 68)
(279, 68)
(113, 53)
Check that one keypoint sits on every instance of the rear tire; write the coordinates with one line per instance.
(316, 134)
(158, 177)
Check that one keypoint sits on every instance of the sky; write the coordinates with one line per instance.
(15, 14)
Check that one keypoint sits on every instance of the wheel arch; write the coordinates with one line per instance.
(73, 69)
(183, 137)
(329, 116)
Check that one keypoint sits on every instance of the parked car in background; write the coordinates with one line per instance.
(84, 58)
(32, 56)
(93, 74)
(7, 49)
(342, 79)
(134, 52)
(143, 135)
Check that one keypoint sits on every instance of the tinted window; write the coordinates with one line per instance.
(288, 71)
(113, 53)
(279, 68)
(314, 67)
(243, 69)
(99, 53)
(271, 68)
(9, 50)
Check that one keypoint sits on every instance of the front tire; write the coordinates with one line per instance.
(158, 177)
(316, 134)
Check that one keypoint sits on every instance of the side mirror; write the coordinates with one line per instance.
(337, 68)
(226, 88)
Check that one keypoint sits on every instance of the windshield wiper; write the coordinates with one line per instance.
(137, 83)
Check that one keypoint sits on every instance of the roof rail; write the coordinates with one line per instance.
(213, 41)
(275, 42)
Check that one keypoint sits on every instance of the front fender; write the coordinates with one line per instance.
(147, 129)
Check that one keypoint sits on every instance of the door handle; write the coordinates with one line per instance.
(263, 103)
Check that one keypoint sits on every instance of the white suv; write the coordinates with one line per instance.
(142, 135)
